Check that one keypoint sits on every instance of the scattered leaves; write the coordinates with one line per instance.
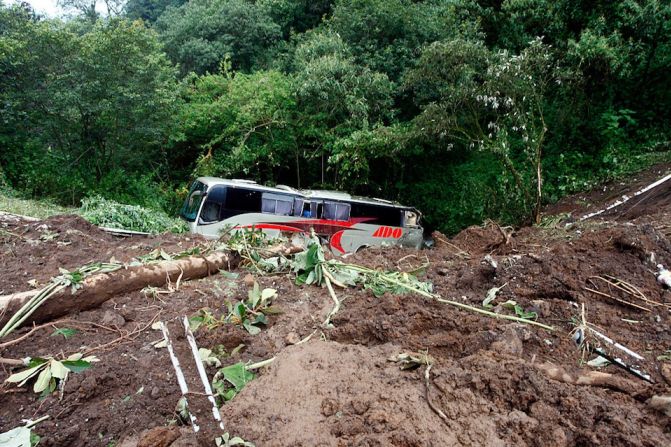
(229, 381)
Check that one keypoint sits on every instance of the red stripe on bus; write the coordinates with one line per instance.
(336, 241)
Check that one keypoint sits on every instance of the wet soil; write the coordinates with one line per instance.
(489, 376)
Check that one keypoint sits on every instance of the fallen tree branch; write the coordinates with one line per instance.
(454, 303)
(427, 382)
(619, 300)
(11, 362)
(591, 378)
(129, 336)
(98, 288)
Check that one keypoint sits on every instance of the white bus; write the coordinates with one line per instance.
(347, 222)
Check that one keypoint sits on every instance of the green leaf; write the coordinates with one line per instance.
(241, 310)
(237, 375)
(34, 361)
(530, 315)
(253, 330)
(19, 437)
(76, 366)
(229, 275)
(302, 278)
(230, 394)
(195, 322)
(65, 332)
(272, 310)
(267, 294)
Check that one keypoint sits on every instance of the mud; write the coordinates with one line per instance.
(489, 377)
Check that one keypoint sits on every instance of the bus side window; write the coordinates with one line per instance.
(240, 201)
(298, 207)
(336, 211)
(277, 204)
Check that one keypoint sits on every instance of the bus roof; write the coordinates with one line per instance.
(315, 194)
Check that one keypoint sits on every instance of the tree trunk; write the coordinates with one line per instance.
(97, 289)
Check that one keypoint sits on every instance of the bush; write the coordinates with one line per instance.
(107, 213)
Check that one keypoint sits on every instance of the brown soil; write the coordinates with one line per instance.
(490, 376)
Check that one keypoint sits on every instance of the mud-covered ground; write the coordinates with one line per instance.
(495, 381)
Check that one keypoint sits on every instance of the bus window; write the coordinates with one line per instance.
(276, 204)
(240, 201)
(214, 201)
(307, 210)
(193, 200)
(379, 215)
(336, 211)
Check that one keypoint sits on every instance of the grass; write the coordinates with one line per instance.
(98, 211)
(40, 209)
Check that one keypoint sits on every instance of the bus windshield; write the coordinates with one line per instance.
(193, 200)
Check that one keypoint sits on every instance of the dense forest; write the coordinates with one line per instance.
(467, 109)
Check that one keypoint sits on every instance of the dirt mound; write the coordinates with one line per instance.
(329, 394)
(483, 239)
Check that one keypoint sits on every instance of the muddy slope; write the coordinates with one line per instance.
(497, 382)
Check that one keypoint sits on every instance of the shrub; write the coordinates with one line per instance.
(107, 213)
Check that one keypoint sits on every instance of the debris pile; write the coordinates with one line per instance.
(494, 337)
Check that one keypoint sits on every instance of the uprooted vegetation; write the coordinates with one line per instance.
(550, 335)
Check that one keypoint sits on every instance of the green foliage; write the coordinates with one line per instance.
(230, 380)
(386, 34)
(41, 209)
(149, 10)
(50, 372)
(75, 118)
(107, 213)
(65, 332)
(199, 34)
(467, 109)
(240, 124)
(249, 314)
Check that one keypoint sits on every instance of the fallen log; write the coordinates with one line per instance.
(590, 378)
(98, 288)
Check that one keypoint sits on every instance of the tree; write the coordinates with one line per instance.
(86, 119)
(149, 10)
(386, 35)
(89, 8)
(336, 96)
(494, 102)
(297, 16)
(199, 34)
(240, 124)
